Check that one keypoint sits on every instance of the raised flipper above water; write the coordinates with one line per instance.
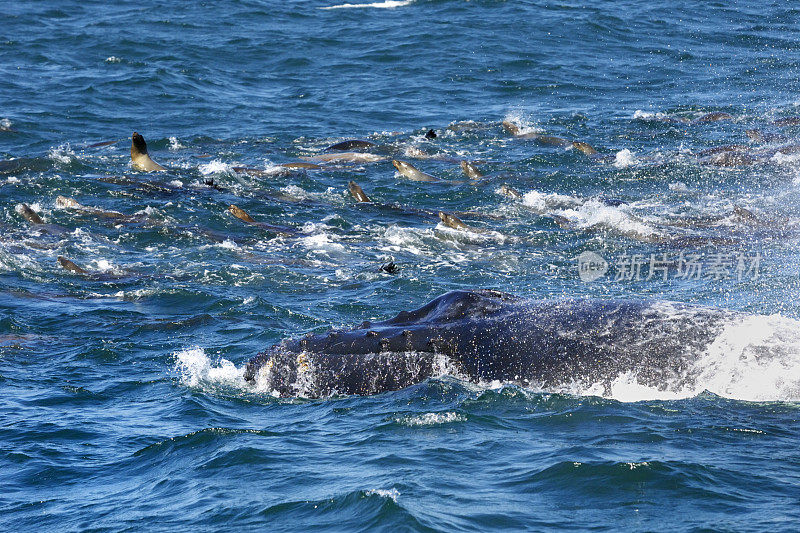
(357, 192)
(29, 214)
(66, 264)
(140, 159)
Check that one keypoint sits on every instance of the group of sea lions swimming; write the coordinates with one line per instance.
(487, 335)
(361, 151)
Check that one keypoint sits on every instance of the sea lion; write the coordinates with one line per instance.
(211, 183)
(71, 203)
(345, 157)
(760, 136)
(409, 171)
(352, 144)
(722, 149)
(241, 214)
(548, 140)
(139, 157)
(357, 192)
(510, 192)
(716, 116)
(452, 221)
(66, 264)
(787, 121)
(307, 166)
(584, 147)
(430, 135)
(729, 159)
(511, 128)
(471, 170)
(744, 215)
(28, 214)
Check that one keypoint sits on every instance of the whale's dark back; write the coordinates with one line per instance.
(489, 335)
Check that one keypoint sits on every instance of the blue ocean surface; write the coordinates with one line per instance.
(660, 142)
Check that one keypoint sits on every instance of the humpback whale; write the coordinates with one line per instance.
(487, 335)
(351, 144)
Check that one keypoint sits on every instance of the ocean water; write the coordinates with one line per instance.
(124, 404)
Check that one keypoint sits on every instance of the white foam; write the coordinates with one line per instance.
(756, 359)
(5, 123)
(474, 235)
(594, 213)
(61, 154)
(321, 243)
(113, 59)
(678, 186)
(625, 158)
(196, 370)
(13, 179)
(647, 115)
(174, 144)
(785, 159)
(103, 265)
(430, 419)
(524, 124)
(408, 240)
(215, 167)
(543, 202)
(388, 4)
(383, 493)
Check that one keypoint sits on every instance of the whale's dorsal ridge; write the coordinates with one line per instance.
(454, 305)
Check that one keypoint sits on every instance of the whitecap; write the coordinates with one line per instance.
(625, 158)
(387, 4)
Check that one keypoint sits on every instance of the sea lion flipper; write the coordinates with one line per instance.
(28, 214)
(357, 192)
(66, 264)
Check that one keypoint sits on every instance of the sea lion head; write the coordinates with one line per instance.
(511, 128)
(138, 145)
(402, 166)
(451, 221)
